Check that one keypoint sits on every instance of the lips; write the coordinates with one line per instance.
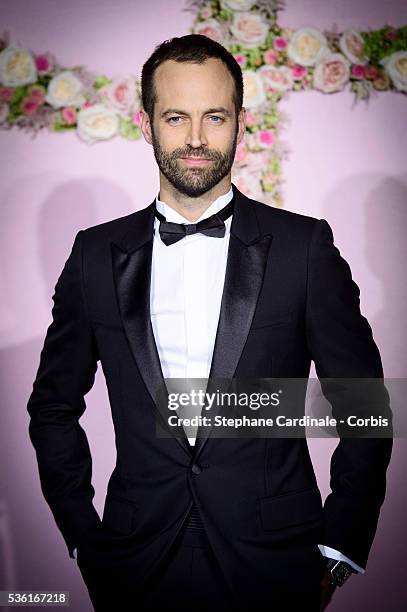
(196, 161)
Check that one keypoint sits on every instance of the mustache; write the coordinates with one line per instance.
(197, 153)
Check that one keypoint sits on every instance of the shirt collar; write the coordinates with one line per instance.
(175, 217)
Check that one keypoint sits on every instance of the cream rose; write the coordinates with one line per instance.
(64, 89)
(351, 44)
(253, 89)
(307, 47)
(17, 67)
(237, 5)
(396, 67)
(332, 73)
(249, 29)
(277, 78)
(96, 123)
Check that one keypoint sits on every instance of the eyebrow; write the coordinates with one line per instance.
(176, 111)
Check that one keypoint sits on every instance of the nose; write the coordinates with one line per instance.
(195, 136)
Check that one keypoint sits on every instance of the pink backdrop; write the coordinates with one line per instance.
(347, 165)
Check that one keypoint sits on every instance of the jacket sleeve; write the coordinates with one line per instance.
(66, 372)
(341, 344)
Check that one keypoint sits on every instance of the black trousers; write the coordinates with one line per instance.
(190, 580)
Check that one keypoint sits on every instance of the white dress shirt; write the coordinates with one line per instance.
(187, 280)
(186, 290)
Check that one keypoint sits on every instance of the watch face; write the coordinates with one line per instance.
(340, 573)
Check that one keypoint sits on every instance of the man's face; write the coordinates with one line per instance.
(195, 129)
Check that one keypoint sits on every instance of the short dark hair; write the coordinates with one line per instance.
(194, 48)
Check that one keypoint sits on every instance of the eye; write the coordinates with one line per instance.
(174, 120)
(216, 119)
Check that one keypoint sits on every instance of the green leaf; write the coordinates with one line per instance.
(128, 129)
(377, 45)
(62, 127)
(101, 81)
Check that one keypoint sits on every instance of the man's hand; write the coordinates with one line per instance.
(327, 590)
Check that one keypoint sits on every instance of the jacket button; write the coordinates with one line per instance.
(196, 469)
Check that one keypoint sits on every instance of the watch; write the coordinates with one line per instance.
(339, 570)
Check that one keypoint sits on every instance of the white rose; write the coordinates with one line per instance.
(253, 89)
(237, 5)
(351, 44)
(17, 67)
(396, 67)
(278, 78)
(307, 47)
(64, 89)
(247, 182)
(249, 29)
(211, 29)
(96, 123)
(332, 73)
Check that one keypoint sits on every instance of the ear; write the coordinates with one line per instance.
(146, 126)
(241, 124)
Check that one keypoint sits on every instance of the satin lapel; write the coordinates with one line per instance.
(247, 257)
(132, 260)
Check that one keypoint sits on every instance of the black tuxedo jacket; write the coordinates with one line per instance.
(288, 298)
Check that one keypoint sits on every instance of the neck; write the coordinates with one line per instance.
(191, 208)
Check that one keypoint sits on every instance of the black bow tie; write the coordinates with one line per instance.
(213, 226)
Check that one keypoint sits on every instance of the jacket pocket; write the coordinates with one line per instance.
(270, 320)
(120, 514)
(291, 509)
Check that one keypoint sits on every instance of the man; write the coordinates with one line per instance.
(252, 291)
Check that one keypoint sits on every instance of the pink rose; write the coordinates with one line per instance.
(120, 95)
(29, 106)
(6, 94)
(69, 115)
(251, 119)
(44, 63)
(37, 93)
(88, 104)
(371, 72)
(241, 59)
(270, 56)
(358, 71)
(211, 29)
(266, 138)
(390, 34)
(241, 152)
(280, 43)
(276, 78)
(136, 118)
(298, 72)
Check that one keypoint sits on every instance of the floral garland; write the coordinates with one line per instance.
(36, 92)
(278, 60)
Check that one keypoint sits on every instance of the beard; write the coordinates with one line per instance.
(194, 182)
